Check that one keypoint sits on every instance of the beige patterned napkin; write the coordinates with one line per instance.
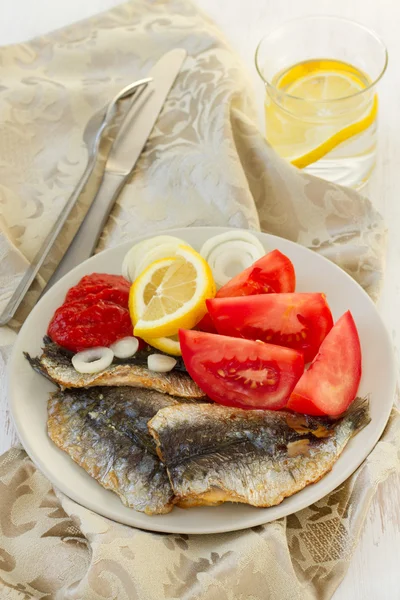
(206, 163)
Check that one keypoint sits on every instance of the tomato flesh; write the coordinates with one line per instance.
(241, 373)
(298, 321)
(272, 273)
(331, 382)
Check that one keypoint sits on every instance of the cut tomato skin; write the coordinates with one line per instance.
(206, 324)
(299, 321)
(241, 373)
(272, 273)
(331, 382)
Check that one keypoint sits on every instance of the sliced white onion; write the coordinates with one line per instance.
(126, 347)
(160, 363)
(93, 360)
(230, 236)
(230, 253)
(146, 252)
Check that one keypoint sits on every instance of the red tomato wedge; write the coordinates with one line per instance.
(298, 321)
(331, 382)
(272, 273)
(241, 372)
(206, 324)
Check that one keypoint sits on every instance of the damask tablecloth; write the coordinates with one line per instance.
(206, 163)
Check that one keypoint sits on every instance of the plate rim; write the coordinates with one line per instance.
(258, 519)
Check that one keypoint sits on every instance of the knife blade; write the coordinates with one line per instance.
(125, 151)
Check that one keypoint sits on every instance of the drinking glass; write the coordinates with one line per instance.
(321, 104)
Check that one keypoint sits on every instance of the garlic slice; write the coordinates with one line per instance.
(160, 363)
(126, 347)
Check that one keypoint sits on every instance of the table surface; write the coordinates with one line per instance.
(374, 572)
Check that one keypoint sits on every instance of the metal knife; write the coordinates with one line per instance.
(124, 153)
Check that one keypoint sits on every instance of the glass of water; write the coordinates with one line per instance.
(321, 104)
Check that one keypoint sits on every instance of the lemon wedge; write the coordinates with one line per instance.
(304, 132)
(170, 294)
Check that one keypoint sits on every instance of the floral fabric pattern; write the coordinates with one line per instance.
(206, 163)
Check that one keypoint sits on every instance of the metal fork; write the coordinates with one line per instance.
(92, 137)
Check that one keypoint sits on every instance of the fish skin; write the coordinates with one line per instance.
(217, 454)
(55, 364)
(104, 430)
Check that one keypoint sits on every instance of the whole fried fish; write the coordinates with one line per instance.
(55, 364)
(104, 430)
(216, 454)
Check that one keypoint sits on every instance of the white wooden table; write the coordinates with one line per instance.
(374, 573)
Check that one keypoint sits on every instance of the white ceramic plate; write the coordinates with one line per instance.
(29, 392)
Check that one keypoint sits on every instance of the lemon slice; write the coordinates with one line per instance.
(337, 138)
(154, 275)
(322, 80)
(137, 306)
(166, 297)
(169, 345)
(300, 139)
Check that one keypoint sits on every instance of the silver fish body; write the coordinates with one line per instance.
(55, 364)
(217, 454)
(104, 430)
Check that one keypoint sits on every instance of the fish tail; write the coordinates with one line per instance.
(358, 414)
(34, 362)
(37, 366)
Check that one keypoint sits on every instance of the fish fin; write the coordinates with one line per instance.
(156, 438)
(299, 447)
(358, 413)
(305, 424)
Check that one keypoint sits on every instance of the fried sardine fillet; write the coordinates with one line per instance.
(55, 364)
(216, 454)
(104, 430)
